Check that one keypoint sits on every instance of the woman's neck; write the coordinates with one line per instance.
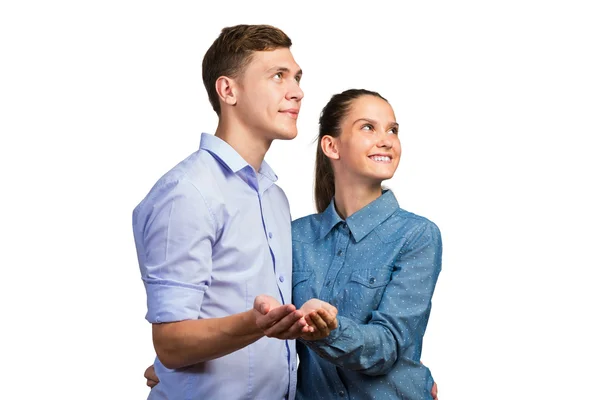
(351, 198)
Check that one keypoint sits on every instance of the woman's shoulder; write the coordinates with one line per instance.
(404, 224)
(306, 229)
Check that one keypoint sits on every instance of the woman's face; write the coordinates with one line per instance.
(368, 146)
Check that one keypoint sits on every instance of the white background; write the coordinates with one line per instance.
(499, 112)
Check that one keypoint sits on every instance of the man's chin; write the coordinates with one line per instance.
(286, 135)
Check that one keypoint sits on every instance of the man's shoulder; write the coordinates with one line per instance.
(189, 177)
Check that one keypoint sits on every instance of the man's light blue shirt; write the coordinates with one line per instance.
(379, 268)
(211, 235)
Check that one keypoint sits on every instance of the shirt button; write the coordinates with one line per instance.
(339, 253)
(341, 393)
(344, 225)
(281, 278)
(270, 235)
(372, 281)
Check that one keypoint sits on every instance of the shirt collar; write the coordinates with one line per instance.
(227, 155)
(362, 222)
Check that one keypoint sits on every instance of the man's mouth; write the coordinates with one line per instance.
(291, 112)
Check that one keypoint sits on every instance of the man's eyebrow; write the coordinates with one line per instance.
(283, 69)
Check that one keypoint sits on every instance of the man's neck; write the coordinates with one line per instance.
(251, 147)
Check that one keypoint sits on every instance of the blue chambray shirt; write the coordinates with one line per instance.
(211, 235)
(379, 268)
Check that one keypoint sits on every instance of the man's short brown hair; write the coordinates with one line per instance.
(231, 52)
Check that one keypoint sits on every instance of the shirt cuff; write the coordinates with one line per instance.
(334, 336)
(170, 303)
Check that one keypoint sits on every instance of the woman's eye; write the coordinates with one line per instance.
(367, 127)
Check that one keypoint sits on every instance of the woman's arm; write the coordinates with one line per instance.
(396, 327)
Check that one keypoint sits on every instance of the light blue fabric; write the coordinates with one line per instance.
(211, 235)
(379, 268)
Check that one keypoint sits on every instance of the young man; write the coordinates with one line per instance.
(214, 233)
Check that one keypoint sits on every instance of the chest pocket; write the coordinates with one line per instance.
(363, 292)
(371, 278)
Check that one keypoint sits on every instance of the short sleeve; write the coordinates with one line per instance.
(174, 232)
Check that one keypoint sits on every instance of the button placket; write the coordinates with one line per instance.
(341, 245)
(278, 276)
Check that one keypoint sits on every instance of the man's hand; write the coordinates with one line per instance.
(281, 322)
(151, 378)
(434, 391)
(321, 316)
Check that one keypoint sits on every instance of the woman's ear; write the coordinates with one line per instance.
(226, 90)
(329, 145)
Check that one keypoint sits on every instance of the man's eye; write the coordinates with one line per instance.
(278, 75)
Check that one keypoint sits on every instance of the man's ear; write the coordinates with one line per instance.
(226, 90)
(329, 145)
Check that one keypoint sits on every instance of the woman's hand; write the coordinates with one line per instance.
(321, 317)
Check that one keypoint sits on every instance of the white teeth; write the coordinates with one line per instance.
(381, 158)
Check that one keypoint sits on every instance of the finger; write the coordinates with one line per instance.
(150, 374)
(319, 322)
(264, 303)
(310, 325)
(291, 323)
(262, 308)
(150, 383)
(274, 316)
(331, 309)
(299, 328)
(305, 325)
(329, 319)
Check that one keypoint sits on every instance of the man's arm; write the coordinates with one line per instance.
(183, 343)
(175, 231)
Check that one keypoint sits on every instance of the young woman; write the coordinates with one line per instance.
(374, 262)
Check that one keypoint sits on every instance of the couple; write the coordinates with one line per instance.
(231, 282)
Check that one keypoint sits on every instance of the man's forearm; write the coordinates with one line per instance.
(183, 343)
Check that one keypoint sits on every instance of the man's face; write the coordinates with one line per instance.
(269, 94)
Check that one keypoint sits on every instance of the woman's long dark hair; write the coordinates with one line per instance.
(329, 124)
